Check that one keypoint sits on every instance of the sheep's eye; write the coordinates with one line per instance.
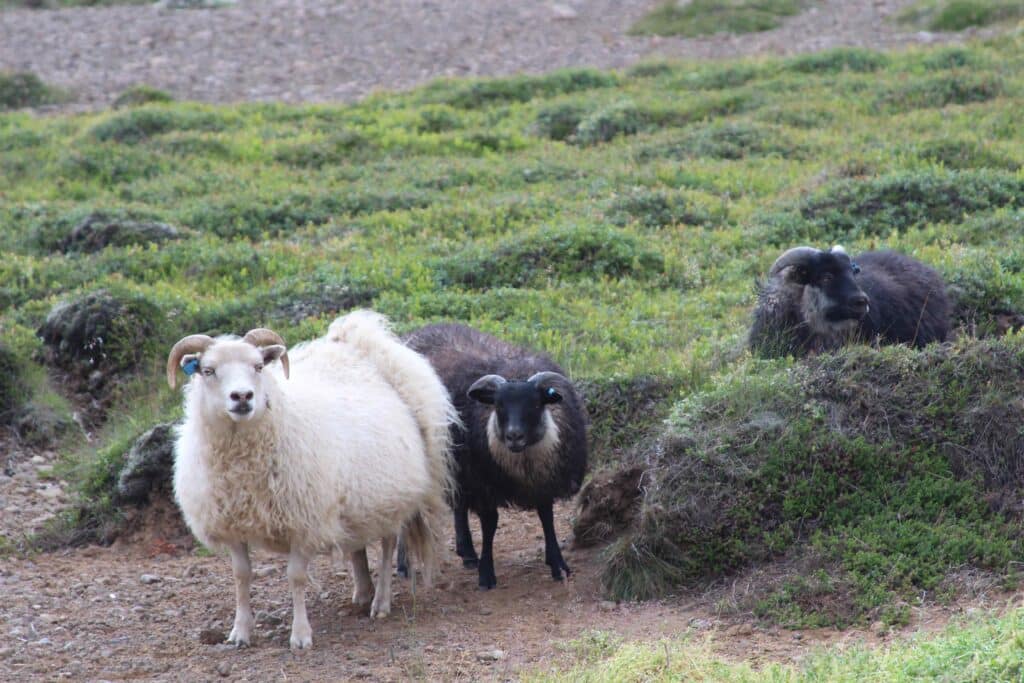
(259, 367)
(208, 372)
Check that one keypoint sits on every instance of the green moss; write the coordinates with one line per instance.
(886, 463)
(725, 141)
(961, 154)
(656, 209)
(838, 60)
(139, 125)
(940, 91)
(705, 17)
(22, 89)
(957, 15)
(552, 254)
(485, 93)
(13, 390)
(138, 95)
(617, 119)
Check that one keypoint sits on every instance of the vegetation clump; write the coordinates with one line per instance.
(940, 91)
(484, 93)
(138, 95)
(840, 59)
(894, 466)
(957, 15)
(706, 17)
(726, 141)
(138, 125)
(22, 89)
(13, 390)
(553, 253)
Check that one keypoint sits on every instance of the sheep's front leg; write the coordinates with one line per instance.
(381, 606)
(363, 592)
(298, 568)
(241, 633)
(463, 537)
(552, 553)
(488, 525)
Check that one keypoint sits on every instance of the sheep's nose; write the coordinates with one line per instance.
(515, 439)
(859, 303)
(241, 395)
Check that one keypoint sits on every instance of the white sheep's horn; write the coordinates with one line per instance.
(261, 337)
(542, 378)
(194, 343)
(792, 257)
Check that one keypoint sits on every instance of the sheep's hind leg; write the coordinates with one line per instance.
(381, 606)
(298, 568)
(362, 594)
(463, 538)
(241, 633)
(488, 525)
(552, 553)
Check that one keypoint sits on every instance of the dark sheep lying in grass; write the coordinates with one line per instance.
(818, 300)
(524, 442)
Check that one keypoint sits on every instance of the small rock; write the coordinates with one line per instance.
(486, 611)
(43, 642)
(879, 627)
(490, 656)
(211, 636)
(150, 579)
(563, 11)
(224, 668)
(700, 624)
(51, 492)
(740, 630)
(798, 636)
(38, 460)
(607, 606)
(263, 572)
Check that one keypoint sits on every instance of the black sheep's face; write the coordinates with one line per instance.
(520, 418)
(832, 296)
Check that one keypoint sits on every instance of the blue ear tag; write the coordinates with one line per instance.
(190, 367)
(552, 393)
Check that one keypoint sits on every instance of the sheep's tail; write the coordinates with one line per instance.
(421, 389)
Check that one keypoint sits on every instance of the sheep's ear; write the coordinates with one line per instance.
(275, 352)
(484, 388)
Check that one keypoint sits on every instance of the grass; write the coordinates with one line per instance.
(617, 221)
(986, 649)
(957, 15)
(706, 17)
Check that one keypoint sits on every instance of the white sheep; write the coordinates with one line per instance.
(353, 448)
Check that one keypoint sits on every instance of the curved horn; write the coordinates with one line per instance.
(792, 257)
(194, 343)
(547, 376)
(261, 336)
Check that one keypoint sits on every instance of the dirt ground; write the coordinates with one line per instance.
(136, 611)
(340, 50)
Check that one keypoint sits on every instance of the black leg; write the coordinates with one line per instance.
(488, 524)
(403, 560)
(552, 553)
(463, 538)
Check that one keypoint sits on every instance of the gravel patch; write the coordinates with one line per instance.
(341, 50)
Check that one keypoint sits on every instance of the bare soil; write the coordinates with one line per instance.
(141, 610)
(340, 50)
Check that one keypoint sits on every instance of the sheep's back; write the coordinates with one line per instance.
(908, 301)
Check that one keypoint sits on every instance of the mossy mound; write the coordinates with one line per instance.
(101, 333)
(138, 125)
(726, 141)
(484, 93)
(13, 391)
(894, 467)
(656, 209)
(838, 60)
(100, 230)
(22, 89)
(138, 95)
(853, 209)
(553, 253)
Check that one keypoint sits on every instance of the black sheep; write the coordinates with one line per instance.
(524, 441)
(818, 300)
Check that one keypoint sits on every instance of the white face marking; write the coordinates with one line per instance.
(538, 460)
(232, 381)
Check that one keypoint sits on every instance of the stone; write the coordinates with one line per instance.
(99, 230)
(150, 579)
(212, 636)
(224, 668)
(490, 655)
(148, 466)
